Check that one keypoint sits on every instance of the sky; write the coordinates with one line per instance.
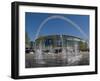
(56, 25)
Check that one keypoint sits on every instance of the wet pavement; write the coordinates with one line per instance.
(56, 60)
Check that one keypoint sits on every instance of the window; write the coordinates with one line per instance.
(48, 42)
(59, 43)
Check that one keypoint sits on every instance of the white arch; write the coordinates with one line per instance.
(63, 18)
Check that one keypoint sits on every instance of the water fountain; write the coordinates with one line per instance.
(73, 54)
(39, 55)
(64, 54)
(76, 48)
(70, 54)
(77, 54)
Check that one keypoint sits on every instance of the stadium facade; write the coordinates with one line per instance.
(55, 43)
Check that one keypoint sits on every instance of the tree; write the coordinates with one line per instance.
(31, 44)
(27, 40)
(83, 46)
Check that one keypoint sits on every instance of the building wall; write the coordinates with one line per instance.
(56, 41)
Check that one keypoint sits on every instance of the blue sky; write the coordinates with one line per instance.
(55, 26)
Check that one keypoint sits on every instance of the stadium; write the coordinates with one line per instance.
(55, 43)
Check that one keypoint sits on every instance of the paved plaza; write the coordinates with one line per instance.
(54, 60)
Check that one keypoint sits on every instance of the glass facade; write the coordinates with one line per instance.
(59, 43)
(48, 42)
(55, 41)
